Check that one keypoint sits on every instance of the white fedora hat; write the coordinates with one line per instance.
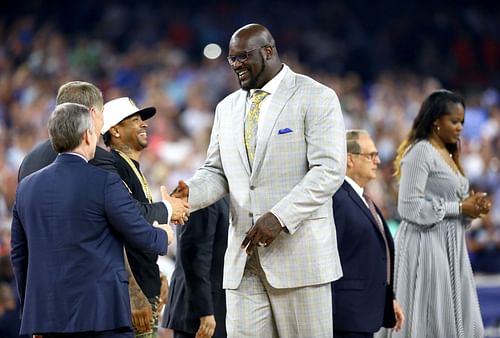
(119, 109)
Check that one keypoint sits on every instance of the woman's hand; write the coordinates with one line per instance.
(476, 205)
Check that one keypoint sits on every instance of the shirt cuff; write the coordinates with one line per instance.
(169, 210)
(452, 208)
(281, 222)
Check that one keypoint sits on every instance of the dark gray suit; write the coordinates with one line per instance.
(196, 285)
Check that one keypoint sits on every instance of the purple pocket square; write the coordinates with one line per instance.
(284, 131)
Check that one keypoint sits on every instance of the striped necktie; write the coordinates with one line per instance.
(252, 123)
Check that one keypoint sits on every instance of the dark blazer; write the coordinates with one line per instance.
(196, 284)
(43, 155)
(70, 222)
(363, 302)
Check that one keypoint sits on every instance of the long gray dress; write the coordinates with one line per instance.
(433, 277)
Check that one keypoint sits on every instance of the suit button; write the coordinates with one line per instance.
(252, 187)
(250, 214)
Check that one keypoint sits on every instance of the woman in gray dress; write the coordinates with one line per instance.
(433, 277)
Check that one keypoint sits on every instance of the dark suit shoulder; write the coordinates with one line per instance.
(104, 159)
(39, 157)
(341, 194)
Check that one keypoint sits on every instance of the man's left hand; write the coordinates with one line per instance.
(400, 317)
(262, 233)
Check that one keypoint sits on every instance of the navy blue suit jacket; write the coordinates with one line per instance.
(362, 299)
(196, 285)
(70, 222)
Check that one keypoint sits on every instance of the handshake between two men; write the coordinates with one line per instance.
(180, 213)
(180, 206)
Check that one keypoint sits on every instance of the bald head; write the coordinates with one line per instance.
(253, 56)
(253, 33)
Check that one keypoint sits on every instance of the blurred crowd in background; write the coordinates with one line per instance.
(382, 58)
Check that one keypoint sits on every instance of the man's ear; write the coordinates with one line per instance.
(113, 131)
(93, 113)
(349, 161)
(86, 137)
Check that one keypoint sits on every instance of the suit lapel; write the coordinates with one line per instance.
(278, 103)
(239, 120)
(355, 197)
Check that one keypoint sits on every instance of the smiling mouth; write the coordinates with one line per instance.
(143, 134)
(242, 75)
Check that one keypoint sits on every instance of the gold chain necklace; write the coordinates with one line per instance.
(138, 174)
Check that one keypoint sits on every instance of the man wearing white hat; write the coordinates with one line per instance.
(125, 132)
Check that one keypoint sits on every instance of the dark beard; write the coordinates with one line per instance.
(253, 82)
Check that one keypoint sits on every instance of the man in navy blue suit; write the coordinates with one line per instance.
(70, 222)
(363, 298)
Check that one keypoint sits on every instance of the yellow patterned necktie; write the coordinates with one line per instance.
(252, 123)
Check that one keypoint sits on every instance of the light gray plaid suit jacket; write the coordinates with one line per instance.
(294, 175)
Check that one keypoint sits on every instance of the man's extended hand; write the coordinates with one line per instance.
(207, 327)
(262, 233)
(180, 207)
(181, 191)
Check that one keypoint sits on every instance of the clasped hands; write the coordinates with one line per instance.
(179, 203)
(476, 205)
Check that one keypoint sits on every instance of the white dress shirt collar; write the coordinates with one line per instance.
(77, 154)
(274, 83)
(359, 190)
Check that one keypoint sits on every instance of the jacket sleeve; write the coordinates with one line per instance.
(153, 211)
(126, 219)
(19, 254)
(104, 159)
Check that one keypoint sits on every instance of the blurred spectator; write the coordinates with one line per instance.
(484, 243)
(7, 300)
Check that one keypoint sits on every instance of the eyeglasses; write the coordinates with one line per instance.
(242, 57)
(369, 156)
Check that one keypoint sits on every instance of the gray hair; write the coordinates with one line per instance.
(84, 93)
(352, 136)
(66, 126)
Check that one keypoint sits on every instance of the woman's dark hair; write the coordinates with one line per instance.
(436, 105)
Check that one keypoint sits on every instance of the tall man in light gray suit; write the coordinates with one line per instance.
(278, 149)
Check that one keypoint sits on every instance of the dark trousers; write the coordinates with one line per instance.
(180, 334)
(118, 333)
(347, 334)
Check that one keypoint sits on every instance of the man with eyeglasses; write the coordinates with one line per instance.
(278, 150)
(363, 297)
